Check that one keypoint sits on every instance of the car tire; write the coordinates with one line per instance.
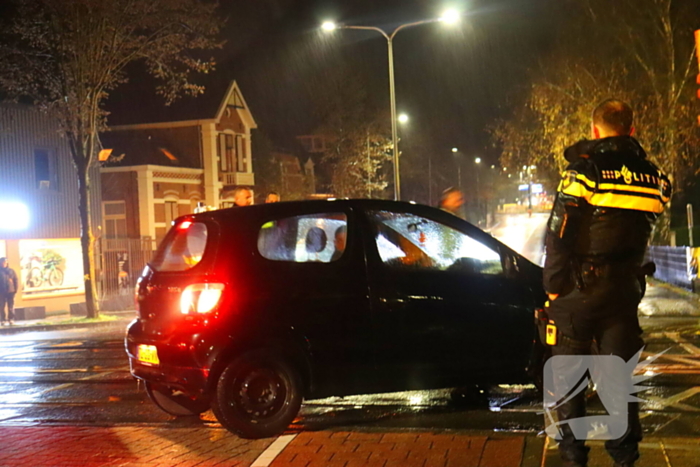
(258, 395)
(173, 403)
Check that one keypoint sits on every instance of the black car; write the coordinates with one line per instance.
(249, 310)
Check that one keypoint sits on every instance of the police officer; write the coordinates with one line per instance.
(596, 239)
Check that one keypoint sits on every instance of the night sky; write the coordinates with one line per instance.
(452, 80)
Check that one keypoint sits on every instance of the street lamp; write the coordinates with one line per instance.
(403, 118)
(448, 17)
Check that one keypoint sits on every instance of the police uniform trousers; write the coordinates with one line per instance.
(600, 317)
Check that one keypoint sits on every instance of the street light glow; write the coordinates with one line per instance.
(403, 118)
(478, 160)
(15, 216)
(450, 16)
(329, 26)
(455, 149)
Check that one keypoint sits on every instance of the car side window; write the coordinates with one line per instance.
(319, 238)
(408, 241)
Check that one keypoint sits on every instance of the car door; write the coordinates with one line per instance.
(445, 311)
(312, 266)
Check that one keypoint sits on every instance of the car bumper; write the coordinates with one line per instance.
(177, 366)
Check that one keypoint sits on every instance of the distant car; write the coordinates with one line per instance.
(248, 311)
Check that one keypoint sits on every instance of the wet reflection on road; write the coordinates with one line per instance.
(71, 379)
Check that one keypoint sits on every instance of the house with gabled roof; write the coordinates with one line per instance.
(161, 163)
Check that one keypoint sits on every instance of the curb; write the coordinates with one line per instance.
(124, 318)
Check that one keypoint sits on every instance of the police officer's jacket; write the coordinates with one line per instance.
(606, 204)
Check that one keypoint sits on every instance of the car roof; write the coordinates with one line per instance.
(300, 207)
(240, 214)
(329, 204)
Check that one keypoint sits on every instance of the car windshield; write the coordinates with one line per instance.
(182, 248)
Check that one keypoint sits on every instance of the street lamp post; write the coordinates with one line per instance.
(450, 16)
(477, 161)
(455, 152)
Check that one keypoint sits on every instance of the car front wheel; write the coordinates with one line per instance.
(258, 395)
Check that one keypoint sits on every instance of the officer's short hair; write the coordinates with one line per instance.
(614, 115)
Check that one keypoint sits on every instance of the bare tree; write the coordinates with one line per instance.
(654, 41)
(556, 112)
(67, 55)
(638, 50)
(356, 134)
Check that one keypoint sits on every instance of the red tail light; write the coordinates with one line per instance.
(200, 298)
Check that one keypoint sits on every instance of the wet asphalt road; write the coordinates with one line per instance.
(81, 377)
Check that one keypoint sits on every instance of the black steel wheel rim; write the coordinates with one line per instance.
(260, 393)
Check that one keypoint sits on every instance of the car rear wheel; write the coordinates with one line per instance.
(258, 395)
(175, 403)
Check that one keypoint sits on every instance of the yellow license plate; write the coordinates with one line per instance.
(147, 354)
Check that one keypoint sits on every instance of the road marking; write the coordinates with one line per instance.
(688, 347)
(544, 451)
(72, 383)
(663, 450)
(671, 401)
(273, 450)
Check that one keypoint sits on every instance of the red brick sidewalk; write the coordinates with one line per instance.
(343, 449)
(61, 446)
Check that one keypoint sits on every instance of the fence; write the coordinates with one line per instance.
(118, 263)
(673, 265)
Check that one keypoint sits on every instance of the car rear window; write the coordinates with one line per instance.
(309, 238)
(182, 248)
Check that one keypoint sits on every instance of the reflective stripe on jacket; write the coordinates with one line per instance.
(606, 204)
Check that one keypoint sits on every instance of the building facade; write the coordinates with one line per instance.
(39, 218)
(155, 172)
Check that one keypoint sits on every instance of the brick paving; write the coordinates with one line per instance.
(61, 446)
(70, 446)
(355, 449)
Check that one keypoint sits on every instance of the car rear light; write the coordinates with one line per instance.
(200, 298)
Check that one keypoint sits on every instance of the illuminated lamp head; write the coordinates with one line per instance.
(13, 216)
